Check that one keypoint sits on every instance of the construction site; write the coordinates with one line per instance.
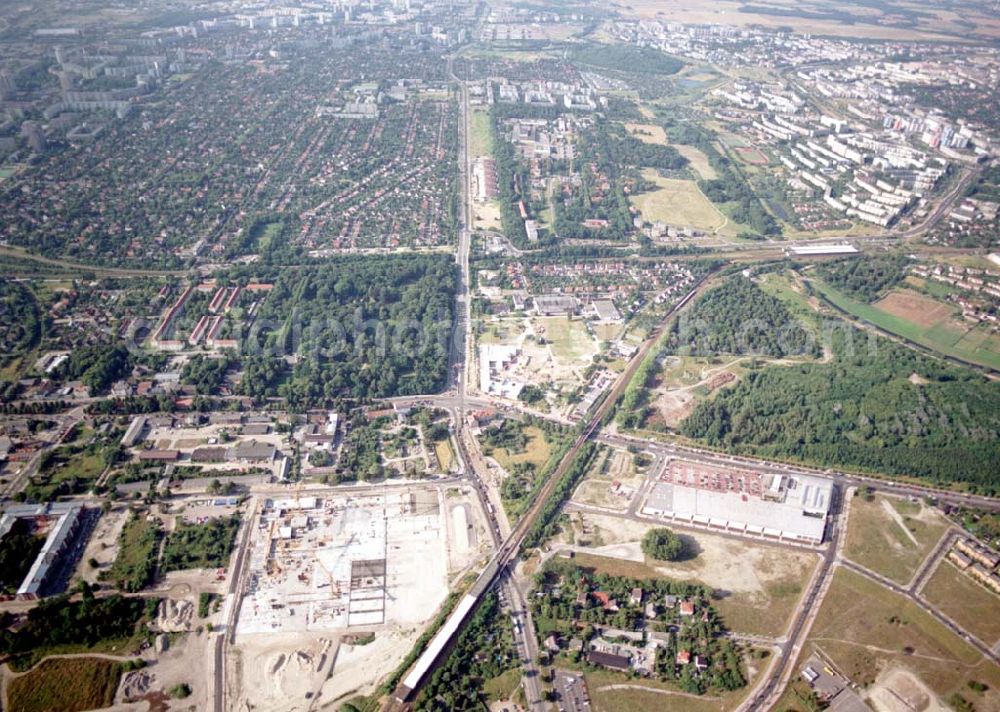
(372, 566)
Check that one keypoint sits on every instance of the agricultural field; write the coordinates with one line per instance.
(924, 321)
(966, 601)
(680, 203)
(757, 585)
(65, 685)
(889, 632)
(859, 20)
(892, 536)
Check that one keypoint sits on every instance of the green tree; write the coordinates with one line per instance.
(663, 545)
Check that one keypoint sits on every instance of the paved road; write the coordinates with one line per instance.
(767, 693)
(979, 645)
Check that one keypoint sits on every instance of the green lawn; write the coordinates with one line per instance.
(502, 687)
(569, 339)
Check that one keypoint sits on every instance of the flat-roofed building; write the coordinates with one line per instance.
(786, 507)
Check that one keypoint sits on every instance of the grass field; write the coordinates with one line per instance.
(137, 548)
(779, 579)
(967, 602)
(442, 449)
(876, 540)
(536, 451)
(65, 685)
(864, 628)
(609, 466)
(653, 133)
(611, 692)
(503, 686)
(480, 134)
(569, 339)
(678, 202)
(698, 160)
(648, 133)
(948, 335)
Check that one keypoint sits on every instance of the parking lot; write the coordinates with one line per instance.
(571, 691)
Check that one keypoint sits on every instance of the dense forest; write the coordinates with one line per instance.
(877, 406)
(737, 317)
(57, 621)
(358, 327)
(206, 374)
(626, 58)
(197, 546)
(20, 320)
(18, 550)
(96, 366)
(864, 278)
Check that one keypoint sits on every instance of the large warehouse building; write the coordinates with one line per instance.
(780, 506)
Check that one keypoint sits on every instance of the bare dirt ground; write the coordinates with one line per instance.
(358, 668)
(102, 547)
(599, 486)
(724, 563)
(899, 690)
(275, 672)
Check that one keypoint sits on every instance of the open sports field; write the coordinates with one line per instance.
(947, 334)
(679, 203)
(753, 156)
(569, 339)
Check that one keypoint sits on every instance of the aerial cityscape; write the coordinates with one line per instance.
(542, 355)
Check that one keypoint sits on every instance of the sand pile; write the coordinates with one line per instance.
(175, 616)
